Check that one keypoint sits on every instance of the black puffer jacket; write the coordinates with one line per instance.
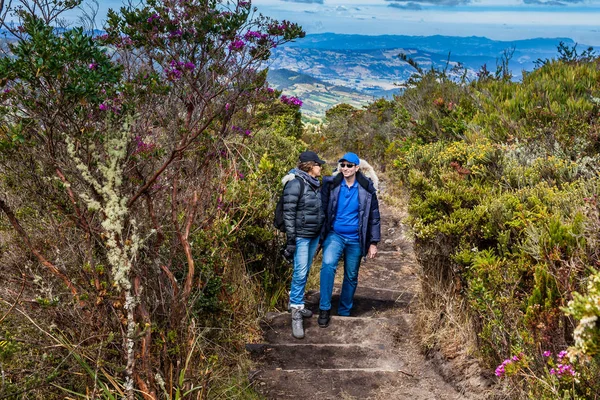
(302, 212)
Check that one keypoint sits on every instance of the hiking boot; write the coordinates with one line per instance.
(297, 323)
(306, 313)
(324, 318)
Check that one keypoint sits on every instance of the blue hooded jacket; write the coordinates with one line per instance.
(369, 220)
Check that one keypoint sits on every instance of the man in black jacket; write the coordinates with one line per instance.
(352, 229)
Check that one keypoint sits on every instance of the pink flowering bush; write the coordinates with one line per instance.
(511, 366)
(137, 175)
(559, 378)
(236, 44)
(560, 367)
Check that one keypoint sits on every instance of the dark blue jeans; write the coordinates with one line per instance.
(334, 247)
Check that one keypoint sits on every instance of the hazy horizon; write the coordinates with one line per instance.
(503, 20)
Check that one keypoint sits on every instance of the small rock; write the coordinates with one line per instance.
(388, 241)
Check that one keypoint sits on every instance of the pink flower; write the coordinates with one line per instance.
(547, 353)
(291, 101)
(501, 369)
(141, 146)
(93, 65)
(103, 107)
(153, 17)
(237, 44)
(562, 369)
(250, 35)
(174, 71)
(562, 354)
(102, 37)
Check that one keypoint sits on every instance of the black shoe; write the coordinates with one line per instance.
(324, 318)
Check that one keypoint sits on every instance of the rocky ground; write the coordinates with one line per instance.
(371, 355)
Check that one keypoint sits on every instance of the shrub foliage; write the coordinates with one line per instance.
(503, 184)
(136, 183)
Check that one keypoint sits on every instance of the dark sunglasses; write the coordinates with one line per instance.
(344, 165)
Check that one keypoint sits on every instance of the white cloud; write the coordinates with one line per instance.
(418, 3)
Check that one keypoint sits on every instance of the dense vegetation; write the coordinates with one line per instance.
(136, 189)
(503, 182)
(137, 176)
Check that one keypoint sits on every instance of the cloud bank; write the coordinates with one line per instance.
(412, 5)
(407, 6)
(552, 2)
(305, 1)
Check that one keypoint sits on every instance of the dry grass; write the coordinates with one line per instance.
(442, 322)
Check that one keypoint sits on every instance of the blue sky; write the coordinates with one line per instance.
(495, 19)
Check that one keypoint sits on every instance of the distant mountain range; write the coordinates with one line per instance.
(320, 67)
(328, 69)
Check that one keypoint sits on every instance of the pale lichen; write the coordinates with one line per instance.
(121, 251)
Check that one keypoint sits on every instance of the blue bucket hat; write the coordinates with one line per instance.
(350, 157)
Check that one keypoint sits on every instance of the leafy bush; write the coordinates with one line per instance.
(502, 177)
(137, 175)
(498, 212)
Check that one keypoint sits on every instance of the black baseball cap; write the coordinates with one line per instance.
(310, 156)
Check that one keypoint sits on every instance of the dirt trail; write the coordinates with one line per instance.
(372, 354)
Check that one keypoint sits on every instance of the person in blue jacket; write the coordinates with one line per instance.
(352, 229)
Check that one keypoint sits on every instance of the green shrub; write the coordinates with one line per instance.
(501, 185)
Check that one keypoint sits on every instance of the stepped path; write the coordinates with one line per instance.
(372, 354)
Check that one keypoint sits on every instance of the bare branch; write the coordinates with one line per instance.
(17, 227)
(4, 8)
(89, 12)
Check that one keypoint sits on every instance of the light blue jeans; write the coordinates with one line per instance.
(303, 257)
(333, 248)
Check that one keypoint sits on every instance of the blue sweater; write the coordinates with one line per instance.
(346, 222)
